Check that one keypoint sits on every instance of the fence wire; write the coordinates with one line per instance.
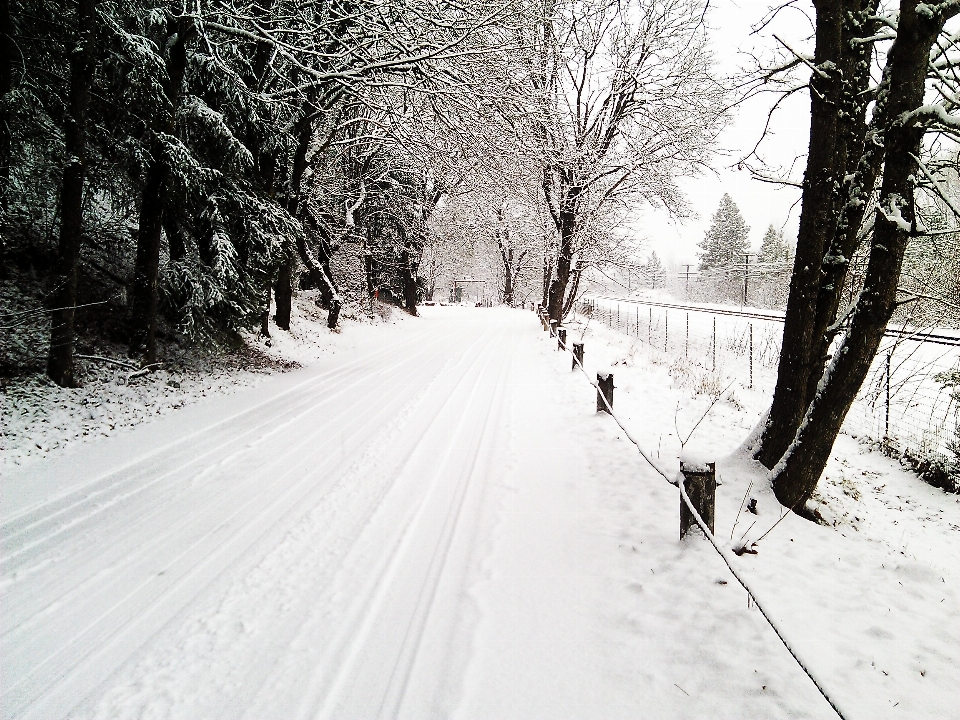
(903, 403)
(724, 553)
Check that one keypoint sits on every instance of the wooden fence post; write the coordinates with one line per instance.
(545, 320)
(562, 342)
(713, 343)
(577, 355)
(700, 481)
(553, 328)
(605, 390)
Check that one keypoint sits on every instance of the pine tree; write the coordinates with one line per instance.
(726, 240)
(774, 248)
(654, 271)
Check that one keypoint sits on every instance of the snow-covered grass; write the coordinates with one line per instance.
(40, 418)
(871, 596)
(902, 403)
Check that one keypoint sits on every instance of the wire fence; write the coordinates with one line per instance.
(724, 553)
(903, 403)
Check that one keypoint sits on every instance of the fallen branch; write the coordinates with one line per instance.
(98, 358)
(146, 369)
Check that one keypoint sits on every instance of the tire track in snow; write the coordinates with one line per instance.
(229, 449)
(282, 595)
(192, 572)
(376, 650)
(118, 556)
(14, 527)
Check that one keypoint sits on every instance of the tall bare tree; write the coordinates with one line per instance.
(916, 95)
(627, 103)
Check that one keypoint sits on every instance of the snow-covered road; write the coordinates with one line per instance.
(433, 523)
(306, 529)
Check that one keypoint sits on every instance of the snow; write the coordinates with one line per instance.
(921, 418)
(40, 418)
(430, 519)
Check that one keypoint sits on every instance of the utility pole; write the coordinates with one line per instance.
(687, 275)
(746, 274)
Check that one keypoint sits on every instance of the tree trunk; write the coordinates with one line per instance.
(283, 293)
(567, 228)
(826, 167)
(572, 294)
(368, 265)
(175, 238)
(796, 475)
(408, 275)
(318, 267)
(547, 276)
(64, 297)
(6, 146)
(143, 314)
(865, 158)
(507, 257)
(143, 310)
(265, 315)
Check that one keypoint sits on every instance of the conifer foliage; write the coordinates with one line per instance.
(176, 167)
(773, 248)
(726, 241)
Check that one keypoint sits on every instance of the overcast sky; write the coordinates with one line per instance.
(731, 22)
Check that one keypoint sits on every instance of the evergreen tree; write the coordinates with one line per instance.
(726, 240)
(653, 269)
(774, 248)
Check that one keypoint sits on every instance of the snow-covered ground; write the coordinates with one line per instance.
(40, 418)
(431, 520)
(903, 399)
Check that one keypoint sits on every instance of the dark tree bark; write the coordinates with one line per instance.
(175, 237)
(409, 264)
(265, 315)
(369, 264)
(865, 157)
(900, 135)
(264, 161)
(317, 264)
(547, 275)
(837, 115)
(283, 293)
(574, 288)
(506, 254)
(566, 222)
(64, 297)
(143, 306)
(143, 311)
(321, 274)
(6, 149)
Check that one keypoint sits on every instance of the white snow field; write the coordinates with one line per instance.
(435, 523)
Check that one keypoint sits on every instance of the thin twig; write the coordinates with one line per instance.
(740, 511)
(716, 399)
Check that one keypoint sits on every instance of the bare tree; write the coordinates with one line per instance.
(626, 103)
(915, 96)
